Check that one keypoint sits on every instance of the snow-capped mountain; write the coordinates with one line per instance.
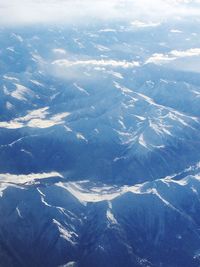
(88, 224)
(100, 145)
(93, 108)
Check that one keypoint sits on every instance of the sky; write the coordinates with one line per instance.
(79, 11)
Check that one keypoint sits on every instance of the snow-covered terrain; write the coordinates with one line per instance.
(93, 224)
(100, 143)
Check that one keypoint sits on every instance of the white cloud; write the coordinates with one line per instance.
(187, 53)
(175, 31)
(87, 69)
(67, 11)
(160, 59)
(93, 62)
(141, 24)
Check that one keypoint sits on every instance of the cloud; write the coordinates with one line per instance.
(160, 59)
(88, 69)
(141, 24)
(184, 60)
(93, 62)
(55, 11)
(193, 52)
(78, 11)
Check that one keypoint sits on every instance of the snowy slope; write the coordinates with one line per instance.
(87, 223)
(100, 145)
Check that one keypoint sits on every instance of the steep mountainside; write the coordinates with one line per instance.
(100, 145)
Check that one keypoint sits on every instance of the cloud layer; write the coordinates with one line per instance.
(72, 11)
(187, 60)
(160, 59)
(93, 62)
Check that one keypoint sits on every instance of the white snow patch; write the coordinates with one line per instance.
(10, 78)
(102, 48)
(20, 92)
(111, 217)
(81, 137)
(26, 178)
(19, 212)
(64, 233)
(81, 89)
(36, 119)
(36, 83)
(59, 51)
